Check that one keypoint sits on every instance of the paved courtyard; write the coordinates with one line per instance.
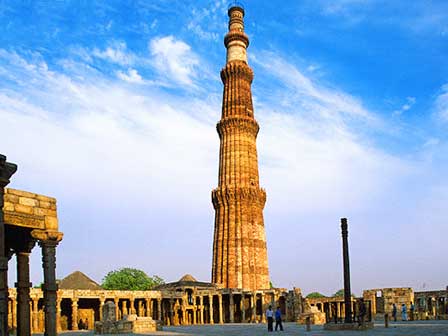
(416, 328)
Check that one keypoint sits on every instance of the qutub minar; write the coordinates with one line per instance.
(239, 245)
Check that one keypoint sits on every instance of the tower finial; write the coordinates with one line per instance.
(236, 41)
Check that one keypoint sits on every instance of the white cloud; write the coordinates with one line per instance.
(314, 100)
(441, 103)
(410, 101)
(116, 52)
(132, 76)
(174, 59)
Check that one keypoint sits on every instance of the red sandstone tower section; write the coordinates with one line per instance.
(239, 246)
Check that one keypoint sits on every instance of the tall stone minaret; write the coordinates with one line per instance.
(239, 245)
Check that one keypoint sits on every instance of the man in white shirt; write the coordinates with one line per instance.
(270, 318)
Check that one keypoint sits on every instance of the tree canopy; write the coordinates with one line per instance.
(340, 293)
(130, 279)
(315, 295)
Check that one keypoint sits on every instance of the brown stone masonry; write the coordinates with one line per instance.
(239, 247)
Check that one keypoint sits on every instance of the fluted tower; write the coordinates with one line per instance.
(239, 245)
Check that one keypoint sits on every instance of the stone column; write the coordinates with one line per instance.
(159, 309)
(23, 294)
(58, 313)
(201, 302)
(7, 169)
(124, 307)
(347, 289)
(243, 309)
(102, 302)
(117, 308)
(48, 240)
(132, 306)
(195, 311)
(148, 308)
(210, 302)
(14, 312)
(231, 308)
(254, 307)
(36, 314)
(75, 314)
(221, 321)
(263, 307)
(140, 308)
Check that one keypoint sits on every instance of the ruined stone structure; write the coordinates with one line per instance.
(26, 218)
(429, 305)
(183, 302)
(239, 245)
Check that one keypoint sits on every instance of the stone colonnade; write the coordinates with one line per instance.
(172, 308)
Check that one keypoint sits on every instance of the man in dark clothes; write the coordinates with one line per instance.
(270, 317)
(394, 312)
(278, 319)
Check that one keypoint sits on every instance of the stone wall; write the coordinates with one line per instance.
(22, 208)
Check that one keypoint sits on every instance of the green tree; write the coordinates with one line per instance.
(340, 293)
(130, 279)
(315, 295)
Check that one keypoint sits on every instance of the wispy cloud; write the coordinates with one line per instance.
(299, 92)
(174, 59)
(116, 52)
(131, 76)
(206, 22)
(441, 103)
(410, 101)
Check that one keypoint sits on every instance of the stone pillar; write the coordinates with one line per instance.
(14, 312)
(231, 308)
(48, 240)
(75, 314)
(58, 313)
(124, 307)
(132, 306)
(195, 311)
(117, 308)
(201, 302)
(148, 308)
(263, 307)
(159, 309)
(254, 307)
(7, 169)
(243, 309)
(23, 294)
(36, 314)
(347, 289)
(102, 301)
(210, 302)
(221, 321)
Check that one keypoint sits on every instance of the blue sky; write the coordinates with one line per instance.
(111, 107)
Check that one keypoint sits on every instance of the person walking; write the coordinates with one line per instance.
(278, 319)
(270, 318)
(404, 312)
(394, 312)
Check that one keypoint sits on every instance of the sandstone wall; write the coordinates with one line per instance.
(22, 208)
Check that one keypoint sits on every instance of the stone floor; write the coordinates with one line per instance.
(416, 328)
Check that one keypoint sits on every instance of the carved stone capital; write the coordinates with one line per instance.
(47, 236)
(7, 169)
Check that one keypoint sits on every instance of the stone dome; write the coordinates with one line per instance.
(188, 277)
